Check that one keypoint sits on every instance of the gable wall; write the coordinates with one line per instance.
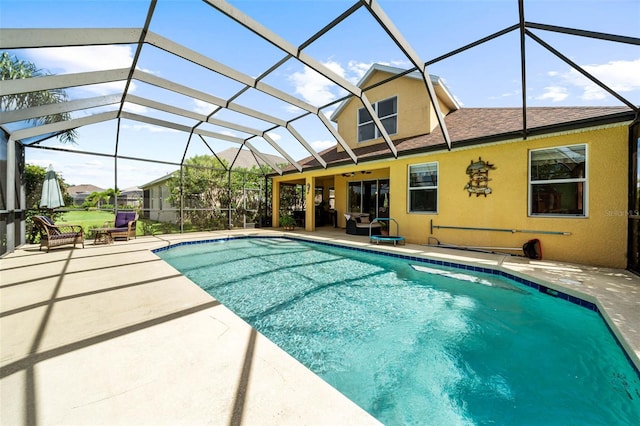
(415, 115)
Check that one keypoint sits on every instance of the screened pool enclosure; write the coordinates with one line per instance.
(198, 96)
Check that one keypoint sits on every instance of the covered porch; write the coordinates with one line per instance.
(321, 200)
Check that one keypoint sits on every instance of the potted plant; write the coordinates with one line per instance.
(384, 227)
(287, 222)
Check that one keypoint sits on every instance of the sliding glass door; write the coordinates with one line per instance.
(369, 196)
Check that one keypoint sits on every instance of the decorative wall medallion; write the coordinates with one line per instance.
(478, 172)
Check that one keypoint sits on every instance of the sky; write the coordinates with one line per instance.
(486, 76)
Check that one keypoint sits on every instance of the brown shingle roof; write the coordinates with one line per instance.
(469, 126)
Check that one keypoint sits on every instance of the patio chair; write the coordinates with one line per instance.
(52, 235)
(124, 225)
(358, 224)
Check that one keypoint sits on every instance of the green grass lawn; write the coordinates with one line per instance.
(96, 219)
(88, 219)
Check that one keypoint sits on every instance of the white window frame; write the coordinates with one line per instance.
(416, 188)
(376, 134)
(584, 180)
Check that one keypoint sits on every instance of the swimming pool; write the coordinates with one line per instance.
(413, 343)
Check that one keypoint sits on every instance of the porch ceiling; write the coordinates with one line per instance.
(120, 105)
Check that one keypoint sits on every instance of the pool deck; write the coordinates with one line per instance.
(112, 335)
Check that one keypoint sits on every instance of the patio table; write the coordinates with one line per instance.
(101, 236)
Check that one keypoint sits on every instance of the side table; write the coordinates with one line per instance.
(101, 236)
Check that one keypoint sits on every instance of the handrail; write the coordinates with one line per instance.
(513, 231)
(386, 219)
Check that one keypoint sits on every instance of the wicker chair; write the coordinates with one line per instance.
(124, 225)
(52, 235)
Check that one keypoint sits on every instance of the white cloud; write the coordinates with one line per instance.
(229, 133)
(328, 112)
(94, 163)
(314, 87)
(621, 76)
(276, 137)
(322, 144)
(356, 70)
(134, 108)
(292, 109)
(335, 67)
(554, 94)
(516, 92)
(202, 107)
(318, 90)
(84, 58)
(149, 128)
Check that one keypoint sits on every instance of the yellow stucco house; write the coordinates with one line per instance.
(567, 183)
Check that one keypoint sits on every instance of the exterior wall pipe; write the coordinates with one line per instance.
(513, 231)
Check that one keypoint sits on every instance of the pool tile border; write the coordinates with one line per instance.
(541, 288)
(483, 269)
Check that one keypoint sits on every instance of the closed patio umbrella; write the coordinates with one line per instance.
(51, 193)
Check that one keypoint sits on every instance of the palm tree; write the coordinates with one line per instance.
(110, 194)
(12, 68)
(95, 199)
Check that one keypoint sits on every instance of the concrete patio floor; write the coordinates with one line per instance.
(110, 334)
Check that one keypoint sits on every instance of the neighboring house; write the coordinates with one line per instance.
(81, 192)
(566, 184)
(156, 205)
(130, 197)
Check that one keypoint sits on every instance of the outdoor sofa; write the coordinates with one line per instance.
(52, 235)
(359, 224)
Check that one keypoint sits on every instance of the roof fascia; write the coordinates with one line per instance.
(621, 118)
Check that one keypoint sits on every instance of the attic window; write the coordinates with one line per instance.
(387, 111)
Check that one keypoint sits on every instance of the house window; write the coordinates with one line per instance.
(369, 196)
(558, 181)
(423, 188)
(387, 111)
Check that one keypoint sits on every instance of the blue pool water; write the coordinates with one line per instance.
(416, 344)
